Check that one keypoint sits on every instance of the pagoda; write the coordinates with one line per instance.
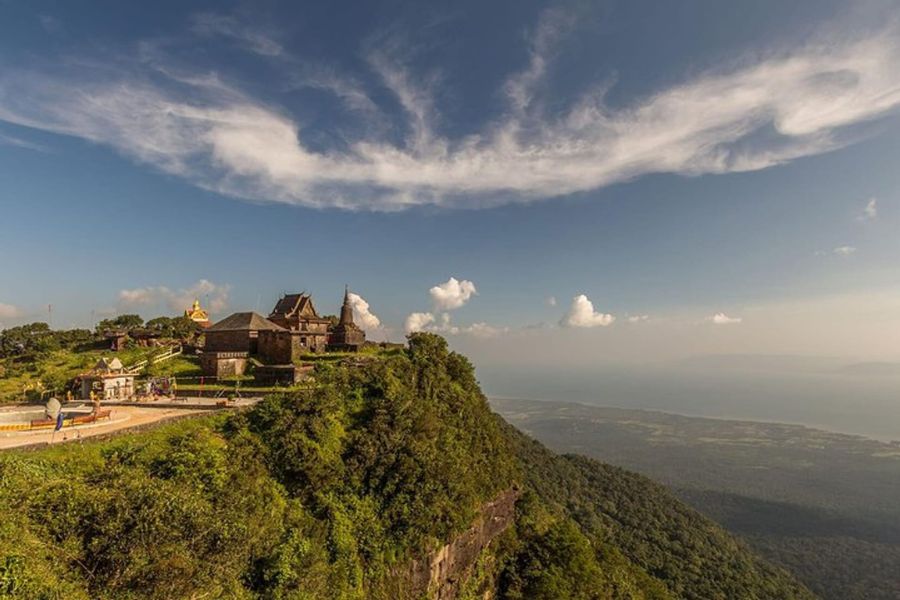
(197, 315)
(346, 335)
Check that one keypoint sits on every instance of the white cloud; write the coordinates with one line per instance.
(764, 112)
(551, 301)
(452, 294)
(721, 318)
(582, 314)
(220, 25)
(442, 324)
(418, 321)
(638, 318)
(10, 311)
(213, 296)
(362, 314)
(8, 140)
(844, 250)
(870, 212)
(483, 330)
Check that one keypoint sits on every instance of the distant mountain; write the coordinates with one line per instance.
(765, 362)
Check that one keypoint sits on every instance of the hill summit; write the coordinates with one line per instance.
(389, 479)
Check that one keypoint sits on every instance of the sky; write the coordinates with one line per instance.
(562, 183)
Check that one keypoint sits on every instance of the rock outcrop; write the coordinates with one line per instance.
(440, 574)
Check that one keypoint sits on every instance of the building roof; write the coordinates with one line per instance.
(108, 365)
(295, 304)
(196, 313)
(245, 321)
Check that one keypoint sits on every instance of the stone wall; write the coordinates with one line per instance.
(279, 347)
(223, 364)
(231, 341)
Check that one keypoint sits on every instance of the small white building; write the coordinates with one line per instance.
(108, 380)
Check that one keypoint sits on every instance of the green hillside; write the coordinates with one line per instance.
(330, 493)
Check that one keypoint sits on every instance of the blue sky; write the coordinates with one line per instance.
(710, 177)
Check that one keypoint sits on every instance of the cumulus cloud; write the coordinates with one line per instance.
(763, 112)
(443, 324)
(214, 296)
(418, 321)
(582, 314)
(362, 314)
(721, 318)
(452, 294)
(10, 311)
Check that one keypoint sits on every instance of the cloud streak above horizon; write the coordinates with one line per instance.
(795, 103)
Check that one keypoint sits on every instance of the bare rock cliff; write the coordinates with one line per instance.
(440, 574)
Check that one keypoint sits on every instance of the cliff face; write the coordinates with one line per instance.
(440, 574)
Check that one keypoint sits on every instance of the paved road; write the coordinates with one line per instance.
(122, 417)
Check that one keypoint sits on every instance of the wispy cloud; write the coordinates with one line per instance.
(844, 250)
(9, 140)
(795, 103)
(227, 26)
(870, 212)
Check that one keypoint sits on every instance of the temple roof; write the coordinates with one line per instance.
(196, 313)
(245, 321)
(295, 304)
(107, 365)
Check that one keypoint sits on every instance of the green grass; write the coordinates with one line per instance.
(180, 366)
(24, 381)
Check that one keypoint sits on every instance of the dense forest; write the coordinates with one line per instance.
(821, 504)
(329, 493)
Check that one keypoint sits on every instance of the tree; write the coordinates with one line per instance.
(122, 322)
(27, 339)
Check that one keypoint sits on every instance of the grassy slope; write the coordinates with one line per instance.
(57, 368)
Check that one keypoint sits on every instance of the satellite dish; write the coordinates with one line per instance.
(53, 407)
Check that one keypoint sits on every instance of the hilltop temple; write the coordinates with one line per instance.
(297, 313)
(346, 335)
(292, 329)
(198, 315)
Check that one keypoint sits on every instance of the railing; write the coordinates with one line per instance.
(143, 364)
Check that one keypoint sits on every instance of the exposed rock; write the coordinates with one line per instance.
(440, 574)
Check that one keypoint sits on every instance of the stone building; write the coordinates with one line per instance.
(346, 335)
(297, 313)
(231, 341)
(281, 346)
(108, 380)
